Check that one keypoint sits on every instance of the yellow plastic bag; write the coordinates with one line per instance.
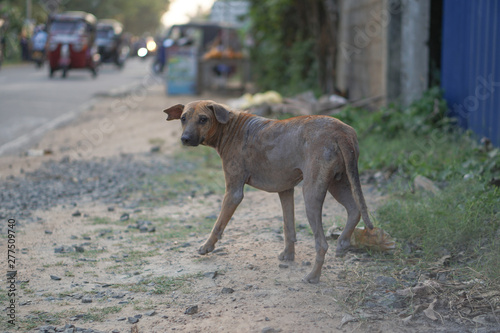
(375, 239)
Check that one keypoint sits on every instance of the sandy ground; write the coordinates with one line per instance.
(123, 273)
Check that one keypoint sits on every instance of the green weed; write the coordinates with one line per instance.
(421, 140)
(461, 218)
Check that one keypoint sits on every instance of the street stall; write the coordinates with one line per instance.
(202, 56)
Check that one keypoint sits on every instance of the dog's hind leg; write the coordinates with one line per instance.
(314, 195)
(341, 191)
(286, 198)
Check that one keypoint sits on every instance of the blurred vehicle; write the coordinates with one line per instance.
(110, 43)
(72, 42)
(144, 46)
(39, 45)
(201, 35)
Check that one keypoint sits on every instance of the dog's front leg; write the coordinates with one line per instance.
(286, 198)
(232, 199)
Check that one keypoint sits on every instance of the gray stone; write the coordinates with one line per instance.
(386, 281)
(191, 310)
(79, 249)
(270, 330)
(227, 290)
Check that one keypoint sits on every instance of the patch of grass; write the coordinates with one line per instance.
(166, 284)
(162, 284)
(101, 220)
(197, 172)
(181, 230)
(145, 305)
(69, 274)
(92, 253)
(39, 318)
(464, 217)
(419, 140)
(100, 314)
(404, 142)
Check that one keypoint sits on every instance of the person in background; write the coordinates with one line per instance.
(38, 42)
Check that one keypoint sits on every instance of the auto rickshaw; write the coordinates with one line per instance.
(72, 42)
(110, 44)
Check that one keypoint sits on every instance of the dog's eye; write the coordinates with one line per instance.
(203, 120)
(183, 118)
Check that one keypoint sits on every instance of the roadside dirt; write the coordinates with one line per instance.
(89, 265)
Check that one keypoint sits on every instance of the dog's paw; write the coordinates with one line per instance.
(311, 278)
(206, 248)
(342, 248)
(285, 256)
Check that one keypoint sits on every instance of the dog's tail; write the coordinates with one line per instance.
(350, 153)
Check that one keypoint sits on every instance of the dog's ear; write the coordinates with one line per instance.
(220, 112)
(174, 112)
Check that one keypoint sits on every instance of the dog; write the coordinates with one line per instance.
(275, 156)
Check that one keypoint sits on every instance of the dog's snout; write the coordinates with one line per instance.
(186, 139)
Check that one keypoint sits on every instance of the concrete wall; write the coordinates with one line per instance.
(383, 49)
(362, 49)
(414, 49)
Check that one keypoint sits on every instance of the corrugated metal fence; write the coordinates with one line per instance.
(470, 67)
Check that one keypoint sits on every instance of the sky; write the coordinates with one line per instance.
(181, 10)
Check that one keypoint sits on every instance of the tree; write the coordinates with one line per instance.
(295, 43)
(138, 16)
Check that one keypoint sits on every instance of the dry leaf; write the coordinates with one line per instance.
(429, 312)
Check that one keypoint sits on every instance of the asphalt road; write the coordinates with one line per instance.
(31, 103)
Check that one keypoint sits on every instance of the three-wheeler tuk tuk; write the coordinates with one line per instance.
(110, 43)
(72, 42)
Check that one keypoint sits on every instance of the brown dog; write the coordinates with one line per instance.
(274, 156)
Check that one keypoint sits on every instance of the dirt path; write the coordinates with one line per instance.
(116, 266)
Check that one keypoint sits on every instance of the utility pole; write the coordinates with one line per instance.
(28, 10)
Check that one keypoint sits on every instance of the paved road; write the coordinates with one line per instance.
(31, 103)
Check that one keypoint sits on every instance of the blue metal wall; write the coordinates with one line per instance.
(470, 64)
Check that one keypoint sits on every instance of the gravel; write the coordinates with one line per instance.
(69, 182)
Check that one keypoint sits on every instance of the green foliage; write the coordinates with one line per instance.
(464, 218)
(283, 57)
(419, 140)
(137, 16)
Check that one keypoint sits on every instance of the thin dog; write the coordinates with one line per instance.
(275, 156)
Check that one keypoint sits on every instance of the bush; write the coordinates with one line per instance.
(464, 218)
(420, 140)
